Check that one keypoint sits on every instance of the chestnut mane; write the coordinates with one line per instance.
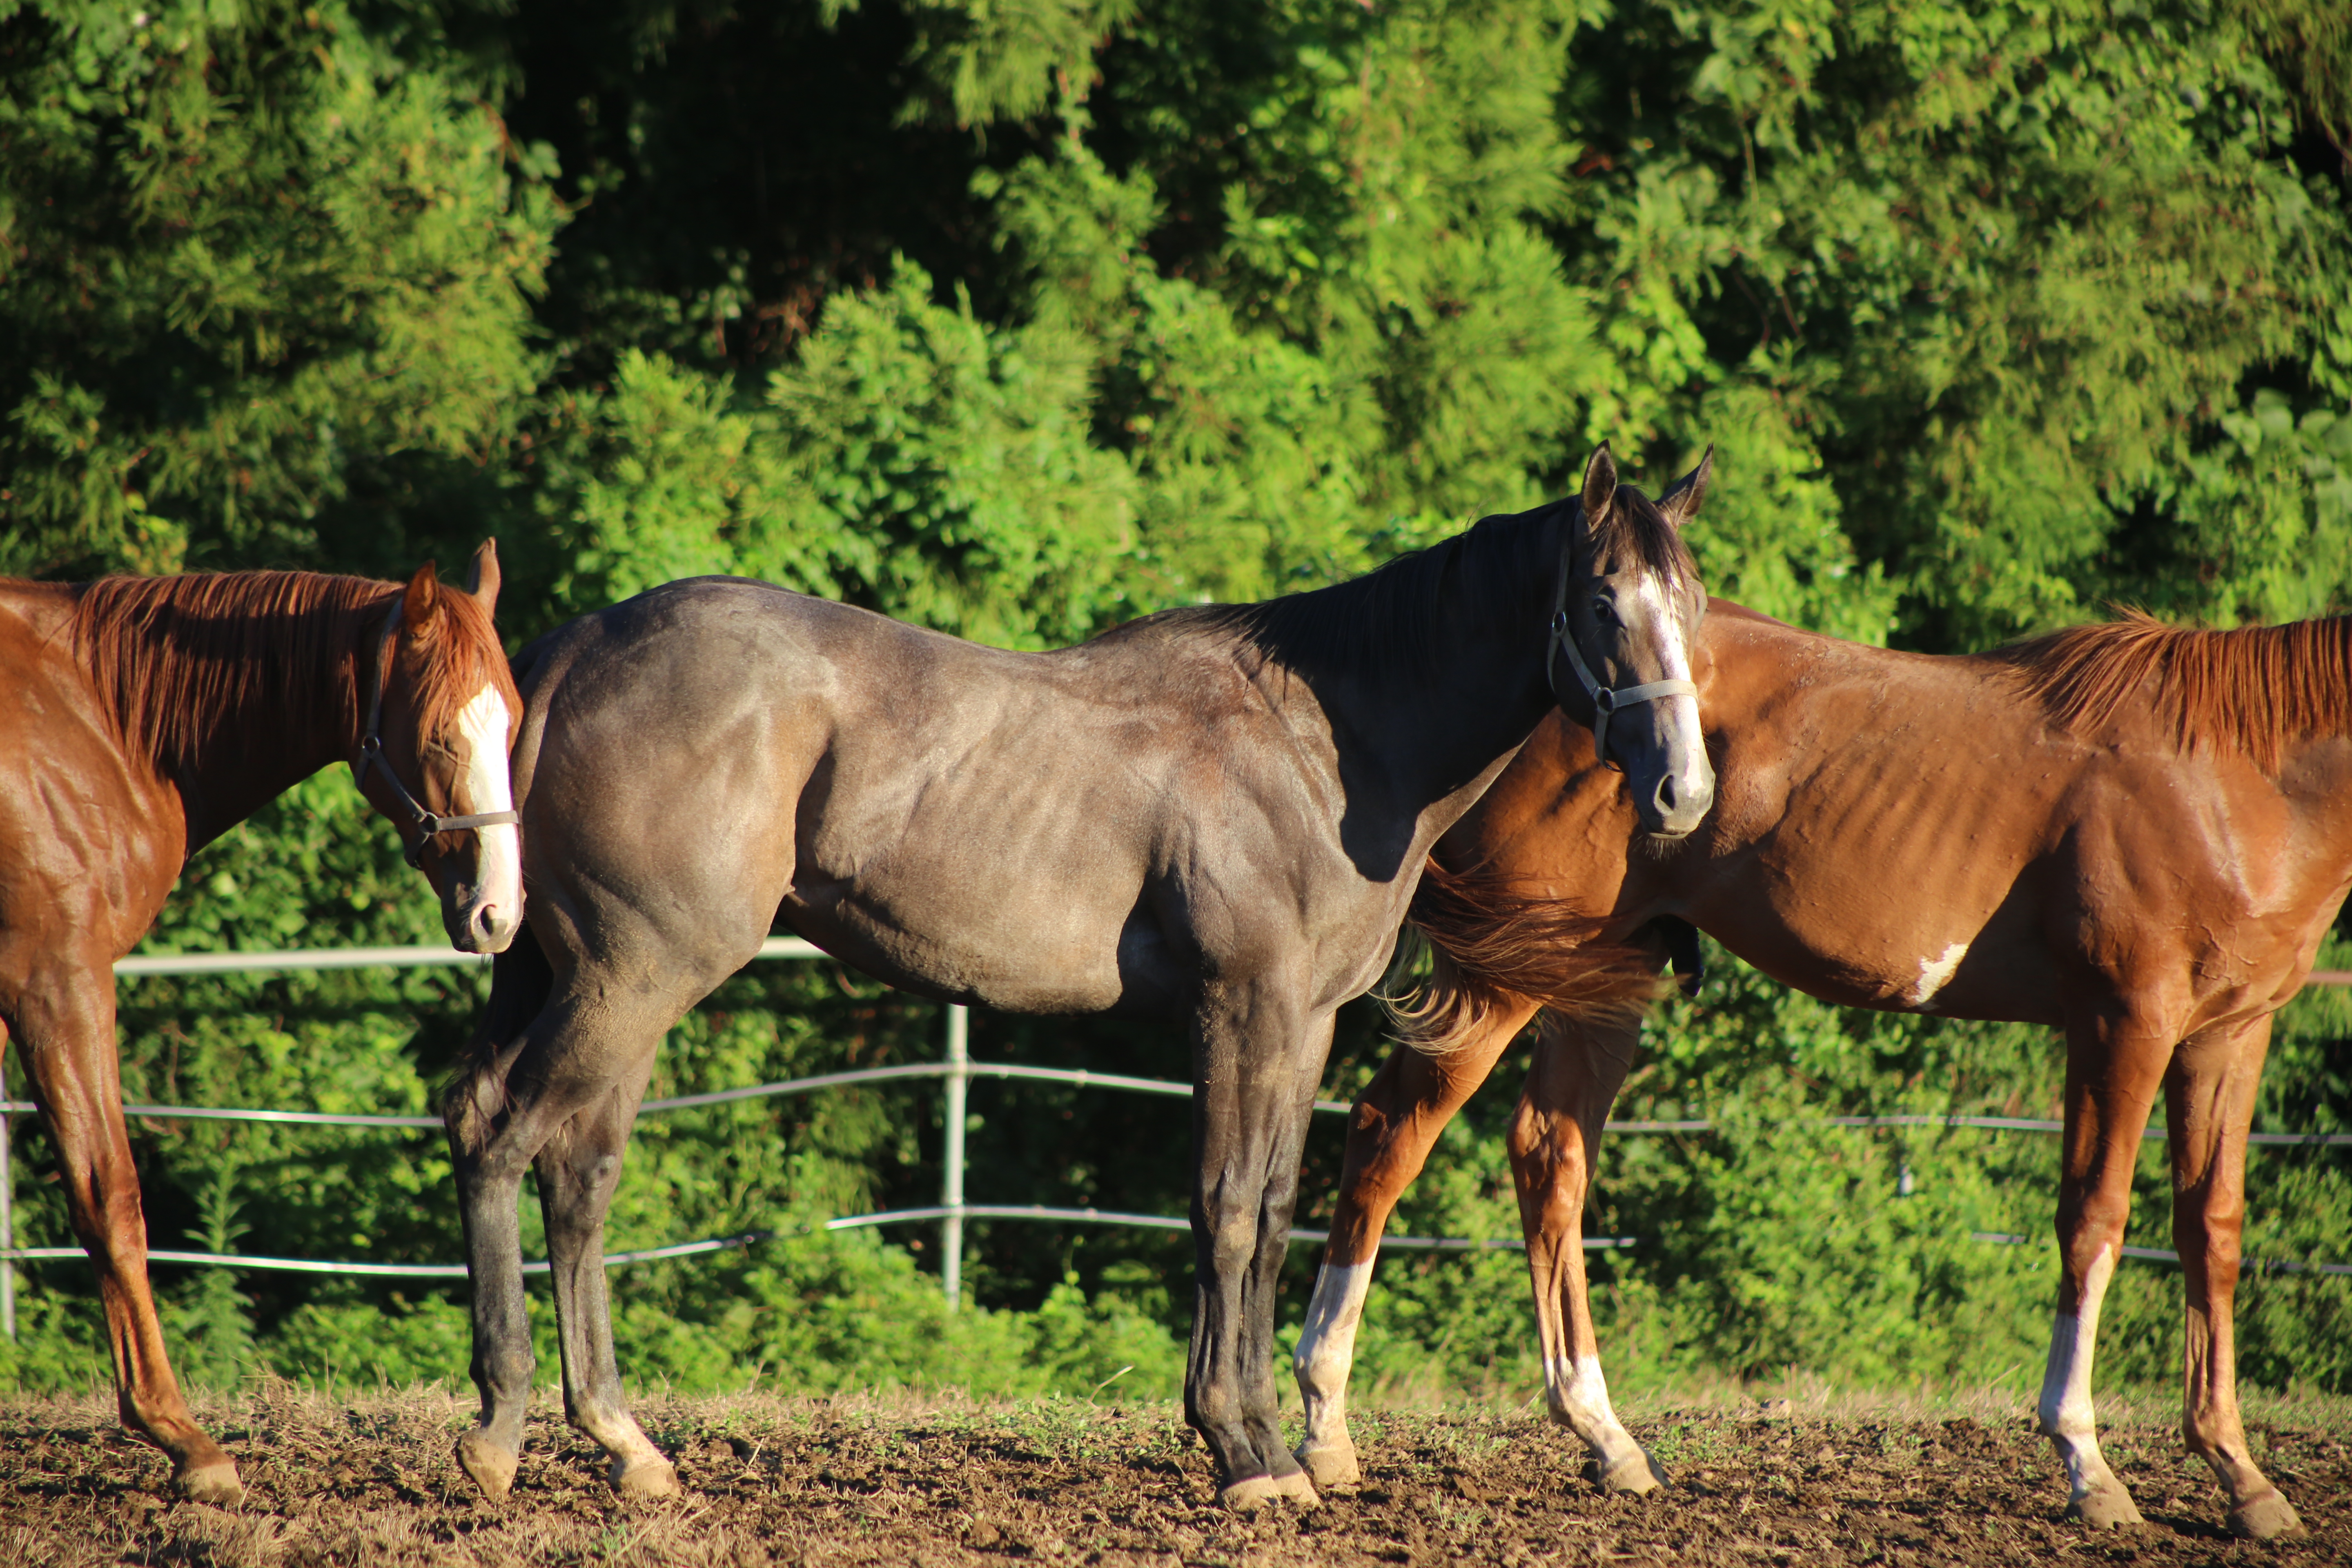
(177, 659)
(2249, 690)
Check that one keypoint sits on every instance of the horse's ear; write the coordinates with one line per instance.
(1600, 486)
(482, 576)
(421, 599)
(1680, 503)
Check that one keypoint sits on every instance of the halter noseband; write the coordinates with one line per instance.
(1605, 700)
(424, 824)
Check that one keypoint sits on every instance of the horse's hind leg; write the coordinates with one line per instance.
(2210, 1100)
(1395, 1123)
(1578, 1069)
(578, 1170)
(2113, 1066)
(65, 1031)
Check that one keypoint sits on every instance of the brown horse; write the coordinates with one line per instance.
(140, 719)
(2135, 833)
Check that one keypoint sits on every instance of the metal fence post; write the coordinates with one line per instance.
(951, 1184)
(8, 1215)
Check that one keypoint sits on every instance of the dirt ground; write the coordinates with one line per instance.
(810, 1483)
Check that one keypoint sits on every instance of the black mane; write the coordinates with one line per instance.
(1388, 622)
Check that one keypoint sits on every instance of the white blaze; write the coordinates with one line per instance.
(1696, 780)
(1934, 974)
(1667, 628)
(498, 868)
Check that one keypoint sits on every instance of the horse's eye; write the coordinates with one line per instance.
(1604, 611)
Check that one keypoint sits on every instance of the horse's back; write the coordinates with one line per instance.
(961, 819)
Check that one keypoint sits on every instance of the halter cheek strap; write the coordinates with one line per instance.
(421, 823)
(1605, 700)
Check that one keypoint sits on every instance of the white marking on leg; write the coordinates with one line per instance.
(2067, 1415)
(1578, 1394)
(497, 868)
(1934, 974)
(1326, 1349)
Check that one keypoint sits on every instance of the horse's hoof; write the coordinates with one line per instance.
(1332, 1465)
(213, 1482)
(491, 1465)
(1635, 1475)
(2266, 1516)
(1297, 1490)
(1249, 1496)
(645, 1479)
(2107, 1508)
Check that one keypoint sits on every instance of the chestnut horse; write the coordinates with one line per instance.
(1214, 815)
(140, 718)
(2135, 833)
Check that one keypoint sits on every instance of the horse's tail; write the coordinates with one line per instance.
(1496, 943)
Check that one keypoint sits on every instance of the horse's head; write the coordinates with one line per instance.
(1627, 615)
(433, 757)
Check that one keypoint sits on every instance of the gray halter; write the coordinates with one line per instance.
(1605, 700)
(421, 823)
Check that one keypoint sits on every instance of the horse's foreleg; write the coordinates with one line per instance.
(66, 1034)
(2210, 1100)
(491, 1143)
(1394, 1125)
(2112, 1069)
(578, 1170)
(1258, 1059)
(1554, 1140)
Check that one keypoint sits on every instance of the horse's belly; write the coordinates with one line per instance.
(1959, 947)
(989, 945)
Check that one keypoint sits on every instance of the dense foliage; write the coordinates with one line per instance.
(1021, 318)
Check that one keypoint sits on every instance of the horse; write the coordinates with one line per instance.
(2135, 833)
(140, 718)
(1216, 814)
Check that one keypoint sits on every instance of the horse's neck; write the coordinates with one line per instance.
(258, 741)
(2315, 776)
(1434, 734)
(250, 760)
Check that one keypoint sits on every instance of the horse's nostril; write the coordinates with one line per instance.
(485, 918)
(1667, 792)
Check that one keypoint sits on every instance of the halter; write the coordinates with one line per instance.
(1605, 700)
(421, 822)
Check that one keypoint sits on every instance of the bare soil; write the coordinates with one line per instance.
(816, 1482)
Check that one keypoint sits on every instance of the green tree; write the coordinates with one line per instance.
(245, 248)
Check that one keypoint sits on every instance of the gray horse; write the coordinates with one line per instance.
(1217, 815)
